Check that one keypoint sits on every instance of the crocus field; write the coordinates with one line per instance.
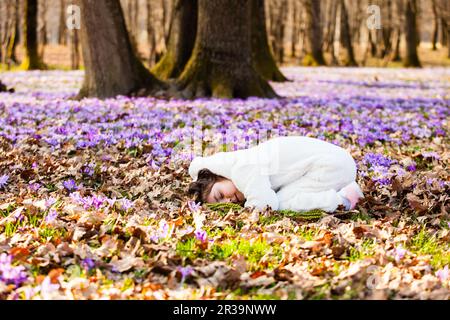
(93, 200)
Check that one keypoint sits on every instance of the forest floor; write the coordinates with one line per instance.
(93, 194)
(59, 57)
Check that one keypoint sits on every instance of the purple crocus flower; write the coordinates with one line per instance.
(50, 202)
(126, 204)
(185, 272)
(431, 154)
(70, 185)
(443, 274)
(88, 264)
(201, 235)
(51, 216)
(3, 181)
(194, 207)
(34, 186)
(10, 274)
(399, 253)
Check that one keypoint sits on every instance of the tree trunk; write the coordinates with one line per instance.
(444, 33)
(13, 34)
(448, 41)
(434, 38)
(43, 38)
(411, 58)
(314, 55)
(62, 35)
(151, 34)
(386, 31)
(221, 63)
(3, 88)
(75, 50)
(181, 40)
(112, 67)
(346, 37)
(32, 60)
(396, 56)
(263, 60)
(295, 28)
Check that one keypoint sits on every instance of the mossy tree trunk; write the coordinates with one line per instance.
(181, 41)
(221, 63)
(112, 67)
(314, 54)
(263, 60)
(411, 57)
(32, 60)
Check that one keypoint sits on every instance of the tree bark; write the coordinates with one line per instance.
(411, 58)
(346, 37)
(32, 60)
(314, 55)
(221, 63)
(434, 38)
(151, 34)
(3, 88)
(75, 50)
(295, 28)
(62, 35)
(181, 40)
(263, 60)
(112, 67)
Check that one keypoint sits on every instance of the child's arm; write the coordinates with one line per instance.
(255, 186)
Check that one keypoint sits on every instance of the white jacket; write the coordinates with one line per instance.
(261, 171)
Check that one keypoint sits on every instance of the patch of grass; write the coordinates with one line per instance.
(361, 250)
(47, 234)
(11, 228)
(361, 216)
(296, 215)
(223, 208)
(307, 233)
(424, 243)
(7, 211)
(187, 248)
(320, 292)
(228, 231)
(253, 252)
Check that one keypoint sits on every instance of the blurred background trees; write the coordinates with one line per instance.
(300, 32)
(163, 33)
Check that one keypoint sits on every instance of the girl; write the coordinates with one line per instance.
(285, 173)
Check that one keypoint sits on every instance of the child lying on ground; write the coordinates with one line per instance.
(286, 173)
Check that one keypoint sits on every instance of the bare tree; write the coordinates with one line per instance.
(434, 38)
(151, 34)
(181, 40)
(32, 59)
(62, 34)
(411, 57)
(314, 35)
(263, 60)
(221, 63)
(346, 38)
(104, 32)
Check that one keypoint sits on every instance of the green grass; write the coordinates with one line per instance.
(47, 234)
(361, 250)
(252, 251)
(424, 243)
(296, 215)
(361, 216)
(215, 232)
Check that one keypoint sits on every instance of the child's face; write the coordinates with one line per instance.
(225, 191)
